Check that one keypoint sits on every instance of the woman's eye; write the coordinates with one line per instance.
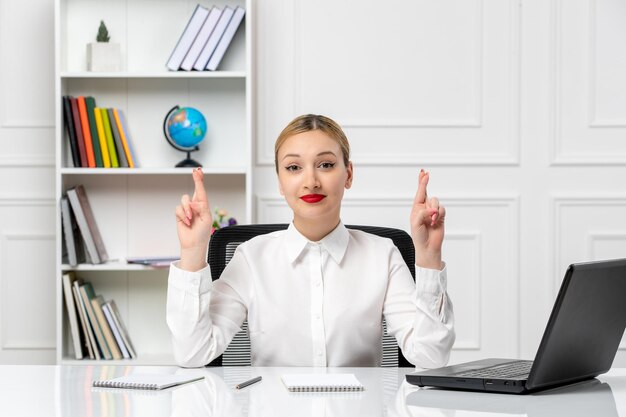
(327, 165)
(292, 168)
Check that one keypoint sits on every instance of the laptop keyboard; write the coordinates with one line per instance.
(507, 370)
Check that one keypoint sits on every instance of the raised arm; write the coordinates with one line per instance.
(420, 314)
(202, 315)
(194, 221)
(427, 226)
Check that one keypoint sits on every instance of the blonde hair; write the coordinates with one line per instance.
(310, 122)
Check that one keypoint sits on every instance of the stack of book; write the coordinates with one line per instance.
(205, 39)
(98, 137)
(81, 236)
(96, 325)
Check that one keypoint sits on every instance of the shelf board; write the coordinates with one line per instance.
(111, 266)
(153, 74)
(151, 171)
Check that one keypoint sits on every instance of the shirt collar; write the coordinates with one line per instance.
(335, 243)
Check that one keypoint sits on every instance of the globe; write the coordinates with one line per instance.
(184, 128)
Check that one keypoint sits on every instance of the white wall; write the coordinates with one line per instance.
(27, 248)
(518, 109)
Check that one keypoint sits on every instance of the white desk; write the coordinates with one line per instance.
(65, 391)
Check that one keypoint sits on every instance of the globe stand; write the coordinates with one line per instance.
(188, 162)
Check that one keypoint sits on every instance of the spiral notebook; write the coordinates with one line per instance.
(321, 382)
(146, 381)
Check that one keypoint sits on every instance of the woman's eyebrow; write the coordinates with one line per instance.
(295, 155)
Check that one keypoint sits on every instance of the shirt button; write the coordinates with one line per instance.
(317, 316)
(318, 283)
(320, 353)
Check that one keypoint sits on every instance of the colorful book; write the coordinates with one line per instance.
(121, 155)
(106, 159)
(188, 36)
(110, 144)
(201, 39)
(214, 39)
(87, 224)
(129, 140)
(226, 38)
(96, 303)
(120, 130)
(71, 134)
(84, 122)
(90, 338)
(68, 279)
(87, 294)
(90, 102)
(79, 134)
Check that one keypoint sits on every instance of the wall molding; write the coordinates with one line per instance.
(17, 344)
(473, 343)
(557, 203)
(22, 161)
(355, 122)
(7, 200)
(559, 157)
(597, 236)
(509, 156)
(594, 121)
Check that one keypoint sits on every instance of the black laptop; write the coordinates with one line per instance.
(580, 341)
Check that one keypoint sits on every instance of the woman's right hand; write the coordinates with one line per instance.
(194, 223)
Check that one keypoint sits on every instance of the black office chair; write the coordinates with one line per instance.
(222, 247)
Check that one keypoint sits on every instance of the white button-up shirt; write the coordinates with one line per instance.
(312, 303)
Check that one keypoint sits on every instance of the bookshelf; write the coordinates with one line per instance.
(134, 208)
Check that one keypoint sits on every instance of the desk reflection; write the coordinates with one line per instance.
(590, 398)
(386, 394)
(216, 396)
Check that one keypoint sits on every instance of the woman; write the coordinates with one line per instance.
(314, 294)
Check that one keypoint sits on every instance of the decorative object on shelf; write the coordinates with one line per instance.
(184, 128)
(221, 220)
(102, 55)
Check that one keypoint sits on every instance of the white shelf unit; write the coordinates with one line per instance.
(134, 208)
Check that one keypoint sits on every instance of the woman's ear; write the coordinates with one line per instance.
(350, 171)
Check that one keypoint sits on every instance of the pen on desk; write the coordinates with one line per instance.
(250, 382)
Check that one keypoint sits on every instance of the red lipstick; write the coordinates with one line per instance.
(312, 198)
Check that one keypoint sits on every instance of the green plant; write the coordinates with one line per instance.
(103, 33)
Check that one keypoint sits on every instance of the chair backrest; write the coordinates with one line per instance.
(222, 247)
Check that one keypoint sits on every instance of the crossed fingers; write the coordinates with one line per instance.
(435, 211)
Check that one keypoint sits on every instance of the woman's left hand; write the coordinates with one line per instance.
(427, 226)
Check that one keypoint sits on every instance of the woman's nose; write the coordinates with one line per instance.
(311, 181)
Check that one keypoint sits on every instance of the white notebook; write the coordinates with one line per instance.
(147, 381)
(321, 382)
